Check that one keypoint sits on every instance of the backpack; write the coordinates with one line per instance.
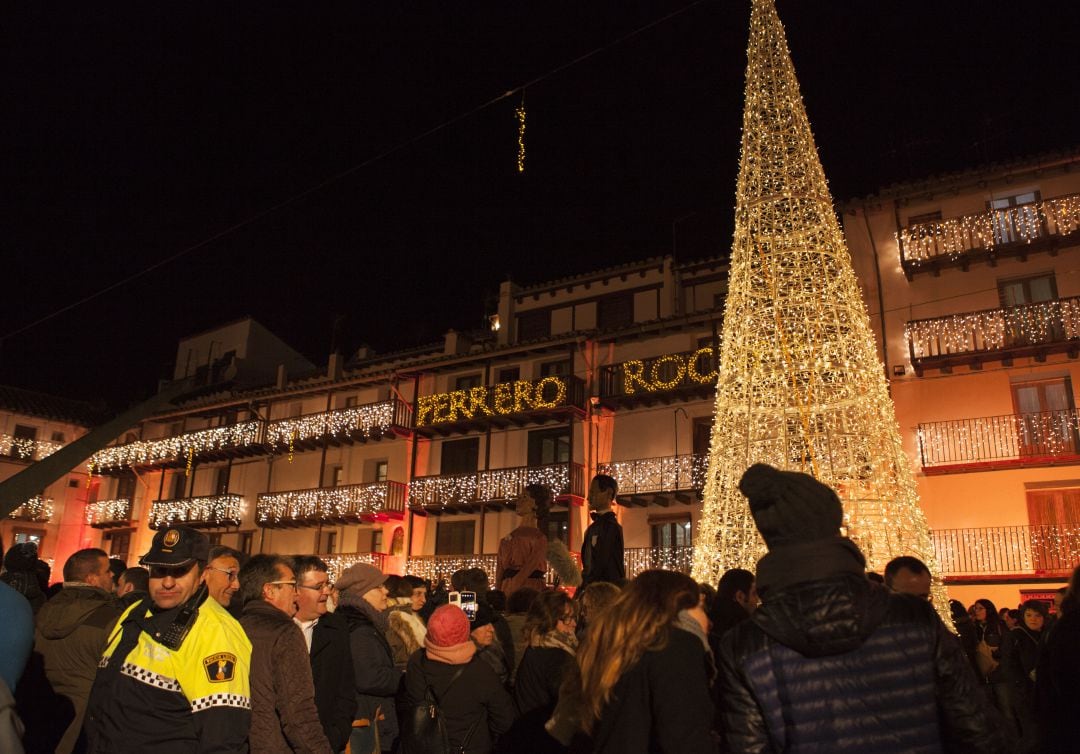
(423, 730)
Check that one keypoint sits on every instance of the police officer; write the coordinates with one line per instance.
(175, 673)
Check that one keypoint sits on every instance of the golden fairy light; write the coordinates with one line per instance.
(801, 386)
(520, 112)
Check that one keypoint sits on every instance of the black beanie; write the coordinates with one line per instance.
(790, 507)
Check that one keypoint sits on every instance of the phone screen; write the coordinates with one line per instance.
(468, 604)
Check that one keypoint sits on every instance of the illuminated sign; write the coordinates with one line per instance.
(669, 372)
(504, 398)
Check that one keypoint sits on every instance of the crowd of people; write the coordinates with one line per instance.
(205, 649)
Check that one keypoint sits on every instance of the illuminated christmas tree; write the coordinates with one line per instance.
(801, 385)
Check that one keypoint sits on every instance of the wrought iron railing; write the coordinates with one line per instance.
(169, 449)
(1049, 434)
(347, 503)
(37, 509)
(989, 230)
(494, 485)
(205, 512)
(1007, 550)
(653, 475)
(994, 330)
(105, 514)
(338, 562)
(366, 421)
(675, 558)
(436, 567)
(657, 374)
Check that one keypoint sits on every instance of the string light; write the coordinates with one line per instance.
(37, 509)
(106, 513)
(336, 563)
(150, 452)
(983, 231)
(675, 558)
(208, 511)
(504, 398)
(801, 386)
(668, 372)
(26, 449)
(1011, 436)
(668, 474)
(369, 420)
(995, 329)
(1008, 549)
(437, 567)
(520, 112)
(351, 502)
(491, 486)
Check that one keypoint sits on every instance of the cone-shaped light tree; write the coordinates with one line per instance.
(801, 385)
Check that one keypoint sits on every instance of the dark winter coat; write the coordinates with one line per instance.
(376, 679)
(660, 705)
(283, 715)
(1057, 691)
(332, 672)
(843, 665)
(1020, 656)
(538, 678)
(602, 551)
(477, 700)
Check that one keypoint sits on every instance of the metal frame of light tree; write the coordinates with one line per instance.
(801, 386)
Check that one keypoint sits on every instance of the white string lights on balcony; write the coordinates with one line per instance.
(493, 485)
(149, 452)
(37, 508)
(211, 510)
(324, 503)
(668, 474)
(109, 511)
(1024, 223)
(995, 329)
(991, 438)
(638, 559)
(1008, 549)
(335, 564)
(435, 567)
(26, 449)
(368, 420)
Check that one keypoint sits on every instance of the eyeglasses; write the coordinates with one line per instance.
(231, 574)
(324, 586)
(291, 583)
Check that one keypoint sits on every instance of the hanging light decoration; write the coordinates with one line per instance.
(207, 511)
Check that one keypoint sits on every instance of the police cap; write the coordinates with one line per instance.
(176, 546)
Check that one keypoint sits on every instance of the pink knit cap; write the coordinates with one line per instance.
(448, 626)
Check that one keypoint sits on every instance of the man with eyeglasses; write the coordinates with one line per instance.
(222, 574)
(283, 714)
(174, 677)
(327, 637)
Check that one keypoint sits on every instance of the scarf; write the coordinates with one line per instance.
(455, 654)
(556, 640)
(689, 623)
(357, 602)
(808, 561)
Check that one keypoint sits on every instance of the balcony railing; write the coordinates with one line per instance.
(668, 474)
(37, 509)
(494, 485)
(519, 401)
(25, 449)
(106, 514)
(687, 371)
(350, 503)
(1033, 438)
(178, 449)
(338, 562)
(1053, 550)
(674, 558)
(436, 567)
(207, 512)
(1031, 329)
(366, 422)
(1014, 230)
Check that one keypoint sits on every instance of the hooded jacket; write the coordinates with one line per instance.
(842, 665)
(72, 631)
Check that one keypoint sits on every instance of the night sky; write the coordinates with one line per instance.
(133, 131)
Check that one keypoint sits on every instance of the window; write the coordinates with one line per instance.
(179, 485)
(351, 401)
(460, 456)
(381, 469)
(328, 542)
(28, 535)
(334, 476)
(22, 432)
(125, 487)
(221, 480)
(296, 410)
(247, 539)
(1015, 217)
(509, 374)
(376, 540)
(926, 217)
(702, 429)
(1046, 425)
(615, 311)
(547, 446)
(467, 381)
(1055, 515)
(670, 532)
(176, 428)
(534, 325)
(455, 537)
(1028, 290)
(558, 527)
(560, 368)
(118, 544)
(58, 437)
(214, 538)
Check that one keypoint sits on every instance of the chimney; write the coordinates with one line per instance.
(282, 376)
(456, 343)
(334, 367)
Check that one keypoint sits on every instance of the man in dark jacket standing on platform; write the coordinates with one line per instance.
(602, 546)
(831, 661)
(283, 716)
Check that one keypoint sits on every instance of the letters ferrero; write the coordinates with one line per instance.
(504, 398)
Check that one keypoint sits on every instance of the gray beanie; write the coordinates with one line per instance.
(790, 507)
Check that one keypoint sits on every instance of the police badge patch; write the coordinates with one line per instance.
(220, 667)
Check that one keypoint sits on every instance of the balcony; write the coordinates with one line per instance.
(1004, 334)
(351, 503)
(675, 558)
(436, 567)
(371, 421)
(550, 399)
(38, 510)
(1008, 441)
(492, 489)
(338, 562)
(213, 444)
(25, 449)
(1045, 225)
(1008, 550)
(660, 379)
(658, 481)
(109, 514)
(209, 512)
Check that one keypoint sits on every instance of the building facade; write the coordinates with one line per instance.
(973, 285)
